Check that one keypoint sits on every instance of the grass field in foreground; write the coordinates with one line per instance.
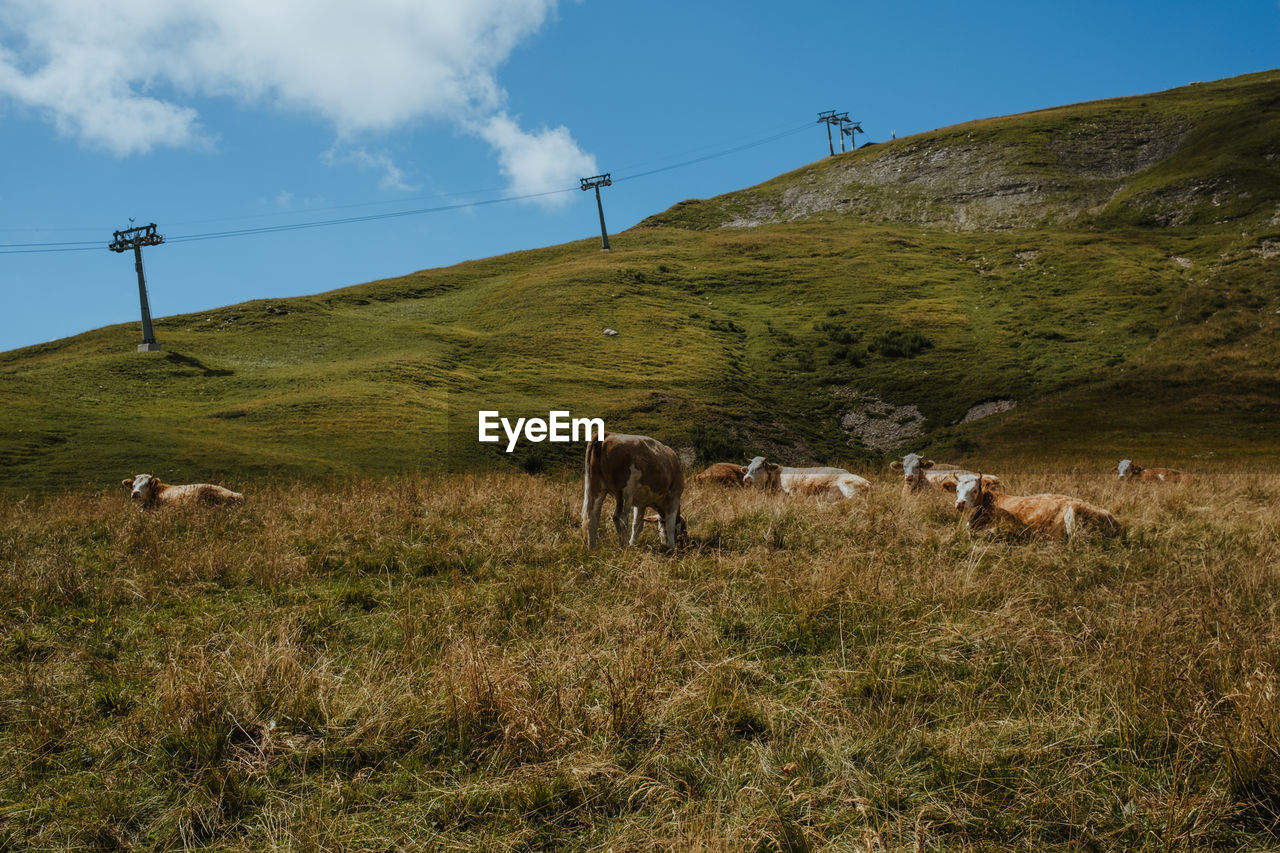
(437, 663)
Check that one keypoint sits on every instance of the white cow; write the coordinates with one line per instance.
(1129, 470)
(919, 473)
(835, 483)
(148, 492)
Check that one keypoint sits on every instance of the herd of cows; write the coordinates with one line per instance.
(642, 473)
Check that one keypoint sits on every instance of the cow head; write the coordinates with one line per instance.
(762, 474)
(1127, 470)
(968, 489)
(142, 488)
(912, 466)
(682, 530)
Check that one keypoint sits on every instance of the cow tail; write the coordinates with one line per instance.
(592, 470)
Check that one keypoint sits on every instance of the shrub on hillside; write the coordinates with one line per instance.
(715, 446)
(900, 343)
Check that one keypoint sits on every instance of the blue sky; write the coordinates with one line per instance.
(242, 114)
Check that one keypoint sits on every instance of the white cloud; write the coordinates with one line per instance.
(123, 76)
(540, 162)
(61, 59)
(393, 178)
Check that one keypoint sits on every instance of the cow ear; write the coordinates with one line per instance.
(127, 482)
(949, 485)
(928, 463)
(896, 464)
(1115, 469)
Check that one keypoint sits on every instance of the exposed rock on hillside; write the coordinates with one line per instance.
(878, 424)
(986, 410)
(977, 180)
(1119, 158)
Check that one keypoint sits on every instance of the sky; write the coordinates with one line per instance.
(291, 147)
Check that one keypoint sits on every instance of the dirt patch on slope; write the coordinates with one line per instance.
(877, 424)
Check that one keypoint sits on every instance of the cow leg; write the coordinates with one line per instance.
(671, 526)
(1069, 521)
(620, 512)
(591, 518)
(637, 523)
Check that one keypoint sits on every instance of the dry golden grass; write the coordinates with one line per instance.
(438, 663)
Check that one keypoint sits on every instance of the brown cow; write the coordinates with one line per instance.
(832, 483)
(639, 472)
(1057, 514)
(148, 492)
(919, 474)
(722, 473)
(1129, 470)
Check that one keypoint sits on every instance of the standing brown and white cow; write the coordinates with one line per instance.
(638, 472)
(832, 483)
(148, 492)
(1047, 513)
(1129, 470)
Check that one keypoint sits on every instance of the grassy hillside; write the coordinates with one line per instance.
(1111, 269)
(436, 663)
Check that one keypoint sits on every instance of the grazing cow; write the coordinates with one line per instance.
(639, 472)
(1056, 514)
(148, 492)
(1129, 470)
(919, 474)
(722, 473)
(832, 483)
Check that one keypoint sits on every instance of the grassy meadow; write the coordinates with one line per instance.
(387, 648)
(436, 662)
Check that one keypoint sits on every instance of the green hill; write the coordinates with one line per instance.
(1103, 277)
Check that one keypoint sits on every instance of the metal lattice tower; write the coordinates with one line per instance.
(136, 238)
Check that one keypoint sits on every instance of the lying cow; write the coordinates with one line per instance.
(1129, 470)
(832, 483)
(1057, 514)
(723, 474)
(639, 472)
(919, 474)
(148, 492)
